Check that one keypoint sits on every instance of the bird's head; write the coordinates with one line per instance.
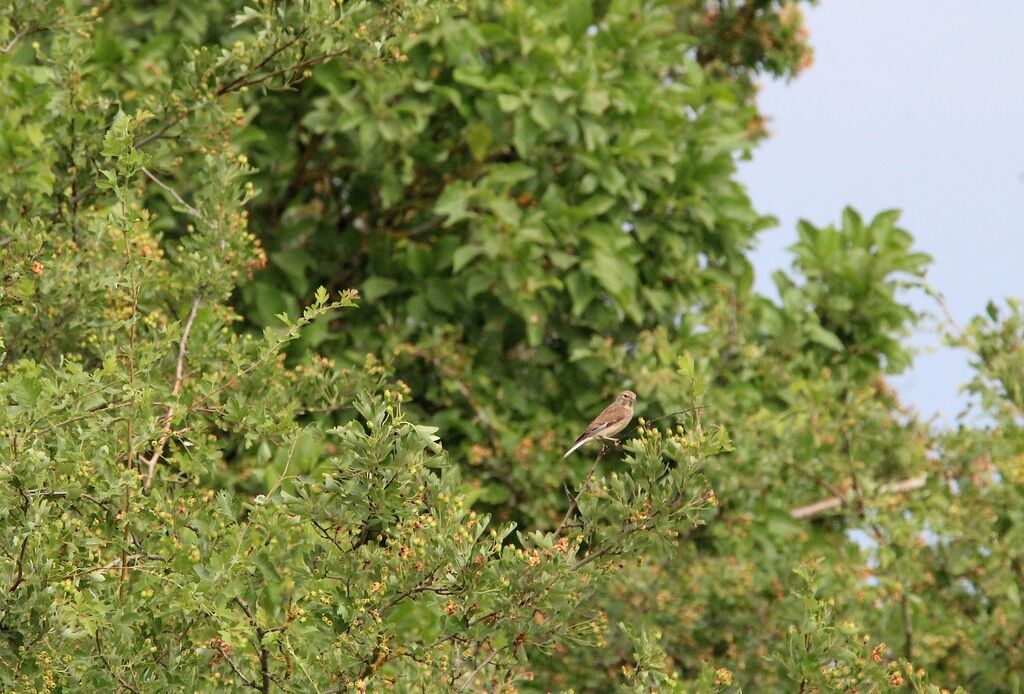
(627, 397)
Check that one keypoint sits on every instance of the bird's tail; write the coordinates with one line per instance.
(579, 442)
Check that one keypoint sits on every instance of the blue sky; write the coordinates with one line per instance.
(916, 105)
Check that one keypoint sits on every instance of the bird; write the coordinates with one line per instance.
(611, 421)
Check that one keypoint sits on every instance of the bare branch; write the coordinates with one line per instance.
(17, 38)
(836, 501)
(174, 194)
(239, 82)
(472, 675)
(179, 369)
(61, 495)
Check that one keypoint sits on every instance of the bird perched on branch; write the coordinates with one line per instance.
(610, 422)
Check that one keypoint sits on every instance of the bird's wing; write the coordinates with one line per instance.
(611, 418)
(612, 414)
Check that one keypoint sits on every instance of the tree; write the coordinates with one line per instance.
(222, 468)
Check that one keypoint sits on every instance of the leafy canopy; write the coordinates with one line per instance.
(300, 304)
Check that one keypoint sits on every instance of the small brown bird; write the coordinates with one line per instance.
(610, 422)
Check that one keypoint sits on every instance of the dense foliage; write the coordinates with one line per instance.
(300, 304)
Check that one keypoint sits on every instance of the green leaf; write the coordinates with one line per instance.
(118, 138)
(580, 15)
(376, 287)
(596, 101)
(479, 139)
(464, 255)
(454, 202)
(824, 337)
(545, 113)
(509, 102)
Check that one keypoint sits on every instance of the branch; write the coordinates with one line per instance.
(696, 408)
(238, 81)
(472, 675)
(291, 68)
(90, 411)
(322, 531)
(908, 628)
(264, 653)
(18, 37)
(174, 194)
(62, 495)
(106, 664)
(227, 659)
(109, 566)
(179, 370)
(179, 376)
(19, 566)
(243, 82)
(836, 501)
(574, 502)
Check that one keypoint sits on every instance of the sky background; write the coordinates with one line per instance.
(916, 105)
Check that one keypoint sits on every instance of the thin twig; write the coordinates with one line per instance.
(179, 370)
(574, 502)
(697, 408)
(908, 628)
(940, 299)
(472, 675)
(179, 376)
(173, 193)
(240, 83)
(106, 664)
(837, 501)
(61, 495)
(112, 565)
(18, 37)
(90, 411)
(227, 659)
(291, 68)
(592, 556)
(287, 464)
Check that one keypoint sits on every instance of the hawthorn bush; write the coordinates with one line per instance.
(300, 304)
